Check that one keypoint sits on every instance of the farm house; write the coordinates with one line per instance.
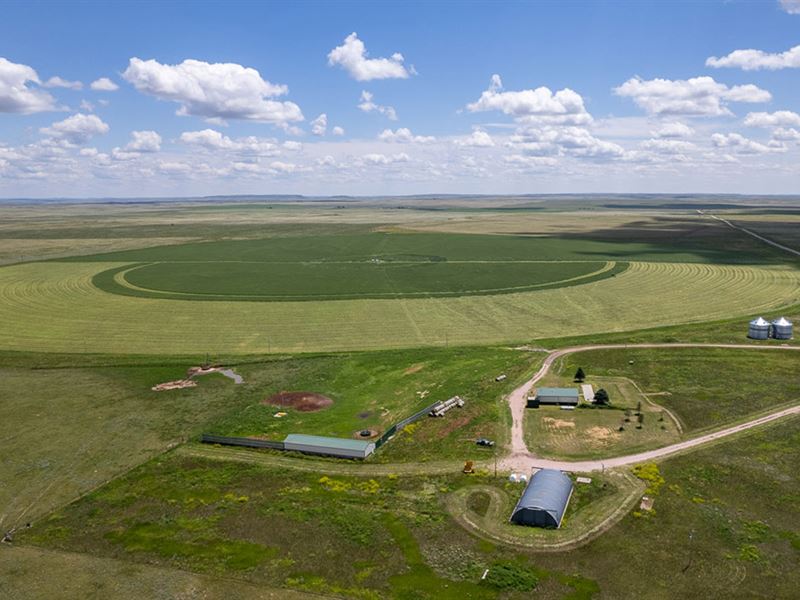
(544, 501)
(328, 446)
(554, 397)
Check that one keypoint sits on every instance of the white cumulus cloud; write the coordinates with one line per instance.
(383, 159)
(791, 6)
(781, 118)
(754, 60)
(538, 105)
(403, 135)
(59, 82)
(320, 125)
(786, 134)
(211, 139)
(560, 141)
(668, 146)
(352, 57)
(477, 139)
(740, 144)
(698, 96)
(144, 141)
(366, 104)
(217, 91)
(674, 129)
(104, 84)
(337, 130)
(77, 129)
(16, 96)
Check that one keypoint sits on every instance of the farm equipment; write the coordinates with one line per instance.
(484, 442)
(468, 467)
(440, 408)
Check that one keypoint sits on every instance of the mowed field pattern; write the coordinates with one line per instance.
(55, 307)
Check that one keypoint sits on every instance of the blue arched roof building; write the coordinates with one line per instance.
(544, 500)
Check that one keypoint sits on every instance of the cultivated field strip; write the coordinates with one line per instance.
(55, 307)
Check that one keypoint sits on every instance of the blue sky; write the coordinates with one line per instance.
(586, 96)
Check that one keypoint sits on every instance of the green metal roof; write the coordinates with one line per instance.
(547, 391)
(327, 442)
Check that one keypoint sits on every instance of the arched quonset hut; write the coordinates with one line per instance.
(759, 329)
(782, 329)
(544, 501)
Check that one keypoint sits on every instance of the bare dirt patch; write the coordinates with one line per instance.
(366, 434)
(414, 369)
(178, 384)
(300, 401)
(601, 435)
(558, 424)
(193, 372)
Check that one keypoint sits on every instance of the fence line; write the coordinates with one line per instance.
(208, 438)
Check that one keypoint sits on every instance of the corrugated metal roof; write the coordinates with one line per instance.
(782, 322)
(549, 490)
(327, 442)
(548, 391)
(760, 322)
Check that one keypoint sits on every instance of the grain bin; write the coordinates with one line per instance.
(759, 329)
(782, 329)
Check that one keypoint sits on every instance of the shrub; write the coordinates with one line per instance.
(650, 473)
(511, 576)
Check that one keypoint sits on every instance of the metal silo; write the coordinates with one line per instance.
(782, 329)
(759, 329)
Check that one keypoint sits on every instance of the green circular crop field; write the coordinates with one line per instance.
(329, 280)
(365, 291)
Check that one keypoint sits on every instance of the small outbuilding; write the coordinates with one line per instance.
(544, 501)
(554, 397)
(588, 392)
(329, 446)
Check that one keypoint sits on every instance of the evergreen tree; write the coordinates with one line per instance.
(601, 397)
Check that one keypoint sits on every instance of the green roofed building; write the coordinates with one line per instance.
(554, 397)
(329, 446)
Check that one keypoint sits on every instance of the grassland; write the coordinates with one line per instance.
(593, 508)
(376, 390)
(593, 432)
(684, 268)
(67, 430)
(70, 424)
(55, 307)
(273, 527)
(738, 499)
(182, 524)
(704, 388)
(336, 281)
(31, 573)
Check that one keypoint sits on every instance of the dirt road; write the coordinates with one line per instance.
(522, 459)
